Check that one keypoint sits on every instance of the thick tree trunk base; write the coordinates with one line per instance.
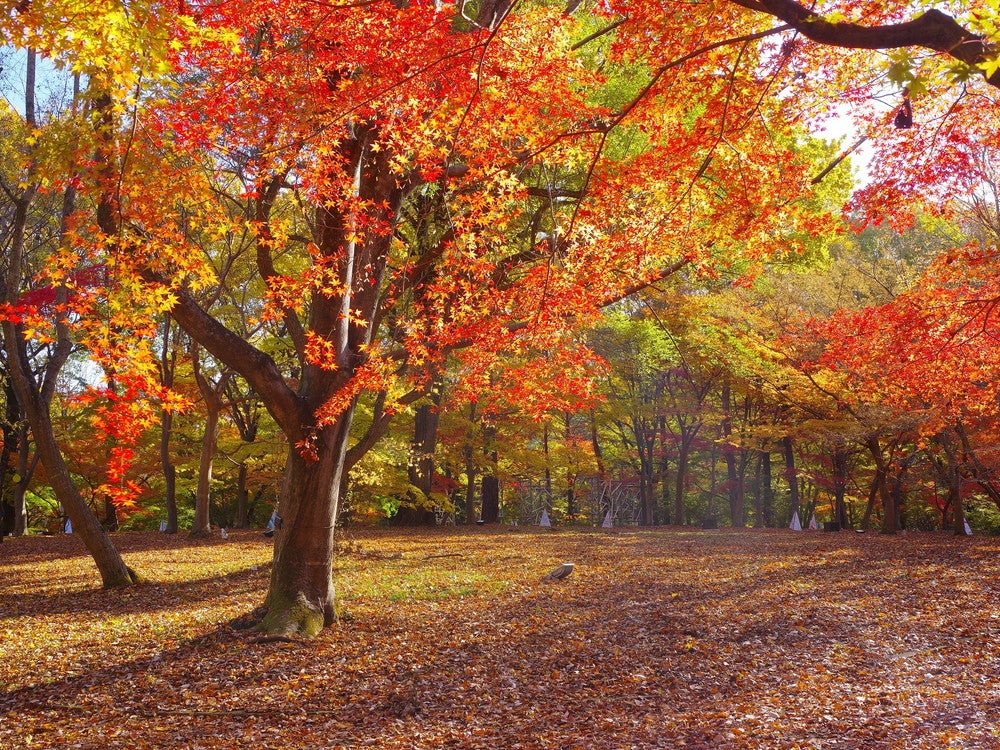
(129, 579)
(295, 617)
(200, 534)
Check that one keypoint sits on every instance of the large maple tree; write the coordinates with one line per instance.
(426, 180)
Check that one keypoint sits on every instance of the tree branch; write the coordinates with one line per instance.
(933, 30)
(257, 368)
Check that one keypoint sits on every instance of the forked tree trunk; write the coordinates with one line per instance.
(301, 595)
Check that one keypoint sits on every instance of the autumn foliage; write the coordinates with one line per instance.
(356, 207)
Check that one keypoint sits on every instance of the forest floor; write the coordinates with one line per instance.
(666, 638)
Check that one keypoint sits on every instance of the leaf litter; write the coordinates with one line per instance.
(451, 639)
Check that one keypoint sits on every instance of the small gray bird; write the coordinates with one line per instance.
(559, 573)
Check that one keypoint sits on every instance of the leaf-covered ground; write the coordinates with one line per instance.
(450, 639)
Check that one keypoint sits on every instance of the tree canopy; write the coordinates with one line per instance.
(351, 205)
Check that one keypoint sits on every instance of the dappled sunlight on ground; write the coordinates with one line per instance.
(451, 639)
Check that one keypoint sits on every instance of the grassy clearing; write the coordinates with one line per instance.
(664, 638)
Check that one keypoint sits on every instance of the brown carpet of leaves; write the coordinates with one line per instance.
(451, 639)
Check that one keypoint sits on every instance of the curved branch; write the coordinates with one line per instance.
(932, 30)
(256, 367)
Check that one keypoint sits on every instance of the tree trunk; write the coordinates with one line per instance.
(470, 483)
(790, 474)
(734, 476)
(7, 452)
(767, 489)
(490, 485)
(761, 489)
(596, 445)
(242, 520)
(953, 477)
(300, 600)
(547, 477)
(490, 498)
(168, 361)
(246, 417)
(421, 468)
(25, 470)
(959, 506)
(35, 398)
(110, 514)
(301, 594)
(169, 472)
(679, 480)
(661, 507)
(873, 493)
(981, 474)
(202, 526)
(664, 511)
(212, 395)
(571, 468)
(113, 570)
(893, 505)
(840, 487)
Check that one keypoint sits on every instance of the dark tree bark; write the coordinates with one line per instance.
(644, 441)
(490, 498)
(547, 475)
(734, 467)
(16, 442)
(168, 362)
(301, 594)
(212, 396)
(110, 515)
(839, 461)
(683, 455)
(471, 472)
(933, 30)
(490, 483)
(881, 489)
(764, 500)
(36, 402)
(245, 411)
(981, 473)
(26, 464)
(953, 481)
(791, 474)
(422, 465)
